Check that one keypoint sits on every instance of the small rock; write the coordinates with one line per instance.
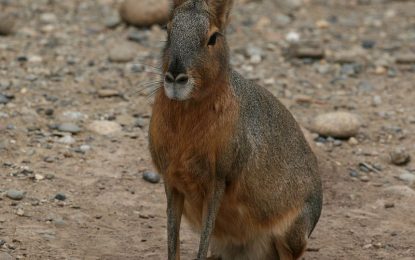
(84, 148)
(39, 177)
(7, 24)
(407, 58)
(112, 21)
(140, 122)
(354, 174)
(67, 139)
(15, 194)
(407, 177)
(50, 176)
(365, 86)
(364, 178)
(376, 101)
(292, 37)
(48, 18)
(20, 212)
(60, 196)
(399, 156)
(145, 13)
(353, 141)
(58, 221)
(4, 99)
(69, 128)
(136, 35)
(368, 44)
(305, 52)
(322, 24)
(104, 127)
(336, 124)
(151, 177)
(49, 159)
(122, 52)
(73, 116)
(105, 93)
(389, 205)
(350, 69)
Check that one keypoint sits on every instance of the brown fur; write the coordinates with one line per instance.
(234, 161)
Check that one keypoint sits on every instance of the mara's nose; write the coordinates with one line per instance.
(181, 78)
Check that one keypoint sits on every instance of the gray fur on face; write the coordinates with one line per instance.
(189, 28)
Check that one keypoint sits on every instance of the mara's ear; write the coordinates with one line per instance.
(177, 3)
(221, 10)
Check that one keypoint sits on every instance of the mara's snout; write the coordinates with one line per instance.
(178, 86)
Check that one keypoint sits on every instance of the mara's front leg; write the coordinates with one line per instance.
(210, 210)
(175, 201)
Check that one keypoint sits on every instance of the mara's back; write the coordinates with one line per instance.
(278, 160)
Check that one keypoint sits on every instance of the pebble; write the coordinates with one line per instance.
(292, 37)
(136, 35)
(364, 178)
(39, 177)
(48, 18)
(399, 156)
(20, 212)
(368, 44)
(84, 148)
(140, 122)
(15, 194)
(60, 196)
(305, 52)
(105, 93)
(336, 124)
(4, 99)
(145, 13)
(389, 205)
(407, 177)
(407, 58)
(7, 24)
(151, 177)
(69, 128)
(376, 101)
(104, 127)
(350, 69)
(322, 24)
(122, 52)
(67, 139)
(73, 116)
(112, 21)
(353, 141)
(365, 86)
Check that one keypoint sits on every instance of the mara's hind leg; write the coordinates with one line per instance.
(292, 244)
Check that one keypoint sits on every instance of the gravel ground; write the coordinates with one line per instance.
(76, 180)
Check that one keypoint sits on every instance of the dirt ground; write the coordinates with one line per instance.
(84, 195)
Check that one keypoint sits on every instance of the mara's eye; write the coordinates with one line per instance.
(212, 39)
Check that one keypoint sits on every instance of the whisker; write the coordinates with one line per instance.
(147, 86)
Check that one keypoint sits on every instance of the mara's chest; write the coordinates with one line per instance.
(186, 144)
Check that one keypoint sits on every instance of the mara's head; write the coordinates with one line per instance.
(196, 53)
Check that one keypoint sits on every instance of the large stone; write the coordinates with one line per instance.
(336, 124)
(144, 13)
